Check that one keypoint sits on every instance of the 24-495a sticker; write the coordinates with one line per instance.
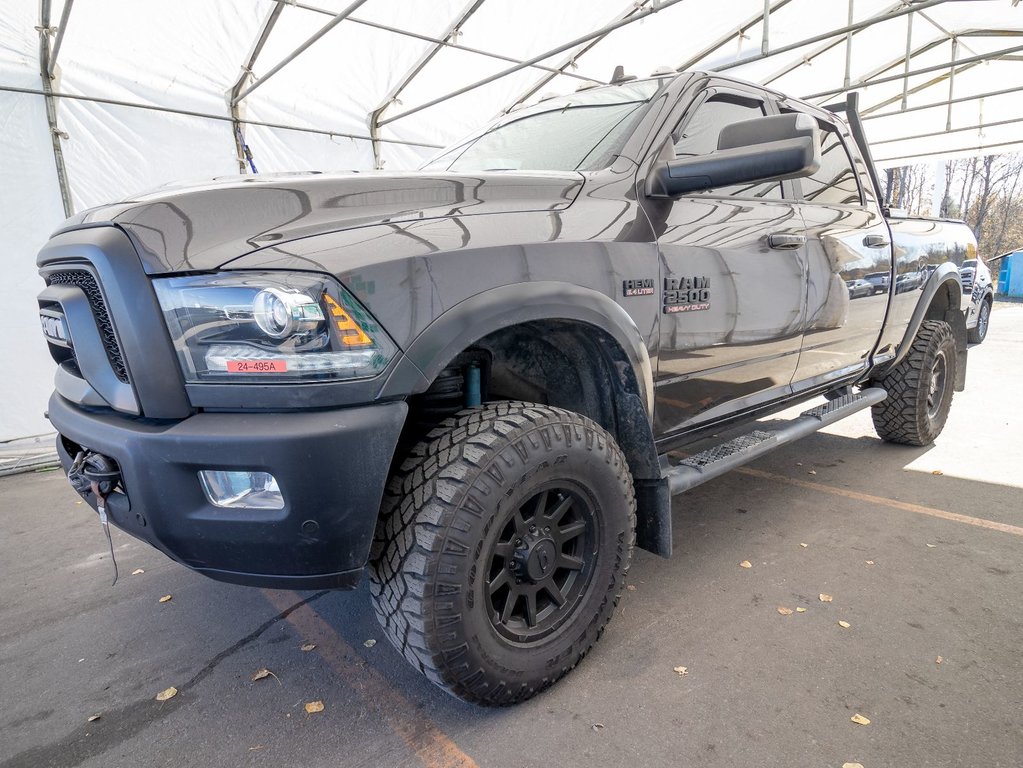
(257, 366)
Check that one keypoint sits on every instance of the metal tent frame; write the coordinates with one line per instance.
(247, 81)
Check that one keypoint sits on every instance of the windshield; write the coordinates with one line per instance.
(581, 132)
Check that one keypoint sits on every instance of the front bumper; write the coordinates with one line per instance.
(331, 467)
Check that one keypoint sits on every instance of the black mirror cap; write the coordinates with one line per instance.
(763, 149)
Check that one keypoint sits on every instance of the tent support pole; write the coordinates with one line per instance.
(429, 39)
(951, 83)
(829, 35)
(51, 105)
(243, 154)
(212, 116)
(820, 51)
(59, 39)
(932, 105)
(979, 127)
(909, 58)
(392, 96)
(354, 6)
(976, 149)
(530, 62)
(765, 42)
(1003, 52)
(923, 87)
(746, 25)
(570, 60)
(848, 46)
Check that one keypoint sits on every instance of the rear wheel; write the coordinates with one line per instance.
(502, 549)
(978, 333)
(919, 389)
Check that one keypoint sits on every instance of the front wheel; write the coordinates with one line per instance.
(502, 549)
(919, 389)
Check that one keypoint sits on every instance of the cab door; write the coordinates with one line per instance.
(732, 279)
(847, 239)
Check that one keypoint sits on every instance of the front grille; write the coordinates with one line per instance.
(84, 280)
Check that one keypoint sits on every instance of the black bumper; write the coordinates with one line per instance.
(331, 467)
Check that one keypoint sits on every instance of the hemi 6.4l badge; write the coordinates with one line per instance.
(686, 294)
(644, 287)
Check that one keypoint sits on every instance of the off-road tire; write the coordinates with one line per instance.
(443, 511)
(905, 416)
(978, 333)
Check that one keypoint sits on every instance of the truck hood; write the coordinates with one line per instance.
(182, 228)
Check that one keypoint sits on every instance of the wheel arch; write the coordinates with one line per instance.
(571, 346)
(940, 299)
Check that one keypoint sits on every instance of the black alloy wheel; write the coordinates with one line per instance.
(541, 563)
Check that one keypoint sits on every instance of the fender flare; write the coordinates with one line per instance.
(946, 273)
(477, 316)
(946, 277)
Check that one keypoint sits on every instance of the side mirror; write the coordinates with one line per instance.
(763, 149)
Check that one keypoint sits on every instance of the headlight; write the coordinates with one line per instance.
(270, 326)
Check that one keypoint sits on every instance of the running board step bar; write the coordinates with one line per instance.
(716, 461)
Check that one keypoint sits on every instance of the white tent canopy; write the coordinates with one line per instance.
(103, 98)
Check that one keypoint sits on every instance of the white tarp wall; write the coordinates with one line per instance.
(185, 55)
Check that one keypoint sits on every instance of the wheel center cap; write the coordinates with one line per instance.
(536, 559)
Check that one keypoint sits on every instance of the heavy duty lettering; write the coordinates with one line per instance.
(686, 294)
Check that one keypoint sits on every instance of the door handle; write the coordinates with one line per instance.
(785, 242)
(876, 241)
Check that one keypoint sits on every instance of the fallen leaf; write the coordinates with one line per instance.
(262, 674)
(313, 706)
(859, 719)
(938, 660)
(824, 598)
(597, 726)
(932, 546)
(682, 671)
(137, 571)
(165, 599)
(370, 643)
(260, 746)
(937, 472)
(803, 545)
(844, 624)
(169, 693)
(93, 718)
(745, 564)
(308, 647)
(852, 765)
(784, 611)
(631, 587)
(870, 562)
(812, 472)
(799, 463)
(800, 609)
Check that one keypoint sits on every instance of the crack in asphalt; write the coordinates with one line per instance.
(119, 725)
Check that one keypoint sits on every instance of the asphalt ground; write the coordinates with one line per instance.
(925, 568)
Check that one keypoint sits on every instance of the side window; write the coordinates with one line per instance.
(835, 182)
(700, 137)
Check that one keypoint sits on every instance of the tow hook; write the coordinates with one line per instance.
(99, 474)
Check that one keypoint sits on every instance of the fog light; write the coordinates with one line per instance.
(234, 489)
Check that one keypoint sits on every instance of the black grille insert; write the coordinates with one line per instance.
(84, 280)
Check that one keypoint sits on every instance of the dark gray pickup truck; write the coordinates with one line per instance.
(485, 380)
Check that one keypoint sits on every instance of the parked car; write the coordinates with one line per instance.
(859, 288)
(908, 281)
(472, 382)
(879, 281)
(978, 285)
